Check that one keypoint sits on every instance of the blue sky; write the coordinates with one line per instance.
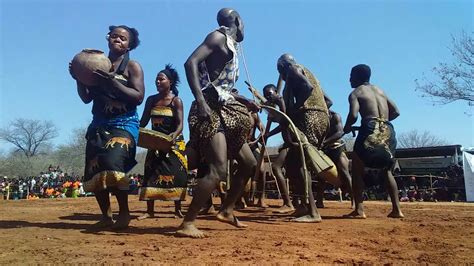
(400, 40)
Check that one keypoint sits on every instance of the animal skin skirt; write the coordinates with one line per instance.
(231, 118)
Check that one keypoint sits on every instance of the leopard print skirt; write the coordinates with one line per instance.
(231, 118)
(314, 124)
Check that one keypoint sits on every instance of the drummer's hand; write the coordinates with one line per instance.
(204, 111)
(173, 136)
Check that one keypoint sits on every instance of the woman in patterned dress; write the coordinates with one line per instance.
(165, 171)
(113, 132)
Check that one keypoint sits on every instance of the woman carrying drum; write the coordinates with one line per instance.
(166, 171)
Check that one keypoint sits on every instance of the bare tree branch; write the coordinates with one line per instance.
(417, 139)
(454, 82)
(29, 136)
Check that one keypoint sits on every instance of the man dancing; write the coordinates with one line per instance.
(219, 120)
(375, 144)
(273, 99)
(306, 106)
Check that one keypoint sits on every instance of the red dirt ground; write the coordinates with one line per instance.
(57, 231)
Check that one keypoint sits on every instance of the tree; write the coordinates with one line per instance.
(417, 139)
(16, 164)
(71, 156)
(454, 82)
(29, 136)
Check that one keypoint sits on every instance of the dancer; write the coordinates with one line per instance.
(219, 120)
(166, 172)
(113, 132)
(375, 144)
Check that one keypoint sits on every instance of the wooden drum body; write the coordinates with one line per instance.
(154, 140)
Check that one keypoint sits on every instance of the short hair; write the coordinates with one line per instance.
(361, 72)
(268, 87)
(134, 40)
(226, 16)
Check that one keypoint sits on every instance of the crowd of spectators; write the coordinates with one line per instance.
(53, 183)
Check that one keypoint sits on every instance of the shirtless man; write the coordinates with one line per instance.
(219, 120)
(305, 105)
(375, 144)
(273, 99)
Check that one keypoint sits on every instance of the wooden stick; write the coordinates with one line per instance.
(293, 129)
(255, 93)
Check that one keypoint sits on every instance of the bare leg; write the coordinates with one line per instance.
(193, 158)
(261, 184)
(357, 188)
(124, 214)
(208, 207)
(246, 166)
(393, 192)
(177, 209)
(342, 165)
(297, 184)
(150, 210)
(320, 193)
(103, 200)
(295, 169)
(216, 156)
(312, 214)
(284, 190)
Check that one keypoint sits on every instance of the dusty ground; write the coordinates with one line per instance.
(57, 231)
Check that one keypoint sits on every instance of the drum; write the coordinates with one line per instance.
(86, 62)
(322, 165)
(154, 140)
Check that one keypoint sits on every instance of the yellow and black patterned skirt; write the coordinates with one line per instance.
(110, 154)
(231, 118)
(166, 175)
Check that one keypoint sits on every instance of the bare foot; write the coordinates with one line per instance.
(188, 229)
(230, 219)
(207, 210)
(178, 214)
(103, 223)
(284, 209)
(122, 222)
(396, 214)
(240, 205)
(145, 216)
(355, 215)
(300, 211)
(307, 219)
(262, 204)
